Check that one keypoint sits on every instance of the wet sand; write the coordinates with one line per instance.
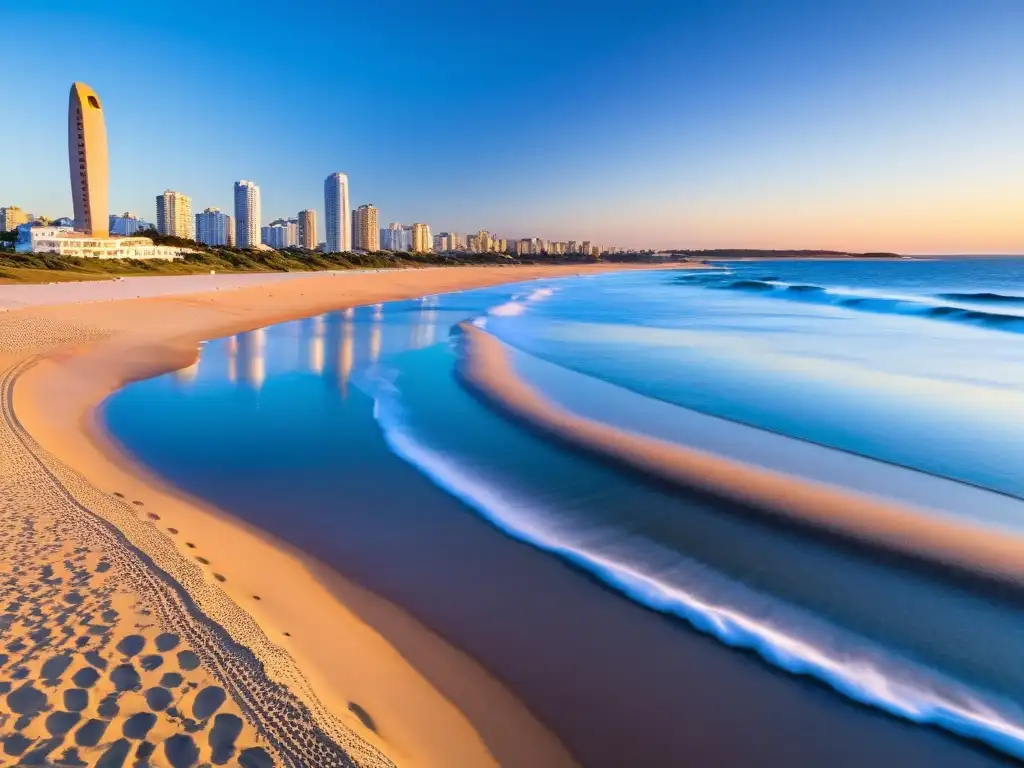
(283, 647)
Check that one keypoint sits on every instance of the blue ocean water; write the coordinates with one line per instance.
(897, 378)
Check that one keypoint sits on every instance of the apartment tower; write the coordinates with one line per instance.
(421, 240)
(306, 234)
(364, 228)
(336, 212)
(11, 217)
(247, 214)
(174, 215)
(215, 228)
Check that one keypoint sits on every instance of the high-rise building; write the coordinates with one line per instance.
(336, 213)
(389, 238)
(87, 152)
(585, 247)
(127, 224)
(11, 217)
(572, 247)
(365, 232)
(215, 228)
(306, 231)
(421, 240)
(280, 233)
(524, 247)
(484, 238)
(247, 214)
(174, 215)
(473, 243)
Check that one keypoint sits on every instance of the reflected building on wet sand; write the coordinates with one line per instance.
(251, 358)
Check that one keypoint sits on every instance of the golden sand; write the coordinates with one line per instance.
(140, 622)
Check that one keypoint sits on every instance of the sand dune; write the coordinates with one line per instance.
(140, 625)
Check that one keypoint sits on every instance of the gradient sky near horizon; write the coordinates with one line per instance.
(844, 124)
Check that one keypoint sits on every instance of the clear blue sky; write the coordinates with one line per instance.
(859, 124)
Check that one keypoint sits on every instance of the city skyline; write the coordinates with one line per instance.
(892, 128)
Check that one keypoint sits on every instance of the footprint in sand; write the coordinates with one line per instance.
(171, 680)
(108, 708)
(190, 545)
(76, 699)
(152, 516)
(27, 700)
(115, 755)
(225, 732)
(167, 641)
(173, 531)
(131, 645)
(158, 699)
(95, 659)
(202, 560)
(15, 744)
(54, 668)
(187, 660)
(208, 701)
(89, 735)
(181, 751)
(255, 757)
(59, 723)
(218, 577)
(86, 677)
(138, 726)
(126, 678)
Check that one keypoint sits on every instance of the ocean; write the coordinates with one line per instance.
(352, 436)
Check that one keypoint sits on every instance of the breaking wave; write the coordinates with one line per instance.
(928, 307)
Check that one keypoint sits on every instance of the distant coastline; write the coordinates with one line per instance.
(743, 254)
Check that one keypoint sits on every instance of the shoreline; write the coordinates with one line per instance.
(428, 703)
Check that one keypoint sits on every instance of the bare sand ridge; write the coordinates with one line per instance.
(141, 624)
(898, 528)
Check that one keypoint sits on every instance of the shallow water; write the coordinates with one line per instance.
(353, 416)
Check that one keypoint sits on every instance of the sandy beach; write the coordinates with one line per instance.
(142, 622)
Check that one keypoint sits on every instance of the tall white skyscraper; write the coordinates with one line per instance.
(337, 214)
(247, 214)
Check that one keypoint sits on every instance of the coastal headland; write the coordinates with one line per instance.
(275, 652)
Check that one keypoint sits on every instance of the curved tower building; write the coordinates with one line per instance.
(87, 154)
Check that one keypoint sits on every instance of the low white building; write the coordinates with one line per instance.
(66, 242)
